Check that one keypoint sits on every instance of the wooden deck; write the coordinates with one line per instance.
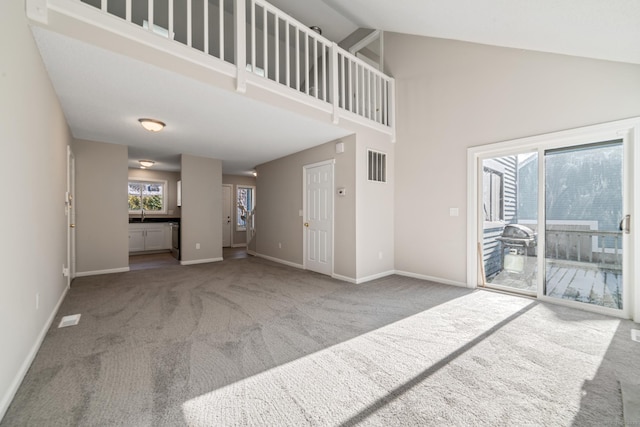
(569, 280)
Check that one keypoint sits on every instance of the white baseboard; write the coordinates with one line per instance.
(98, 272)
(363, 279)
(375, 276)
(344, 278)
(431, 278)
(201, 261)
(17, 380)
(239, 245)
(278, 260)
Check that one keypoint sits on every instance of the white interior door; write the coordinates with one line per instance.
(227, 225)
(318, 217)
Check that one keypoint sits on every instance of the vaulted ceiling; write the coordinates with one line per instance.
(602, 29)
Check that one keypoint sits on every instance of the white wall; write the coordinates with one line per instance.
(102, 214)
(280, 199)
(363, 219)
(201, 220)
(374, 210)
(453, 95)
(34, 137)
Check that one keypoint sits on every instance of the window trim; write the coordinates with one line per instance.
(500, 220)
(165, 189)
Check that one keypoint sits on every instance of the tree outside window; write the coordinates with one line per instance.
(147, 195)
(244, 203)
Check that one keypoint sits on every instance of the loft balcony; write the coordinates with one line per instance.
(249, 42)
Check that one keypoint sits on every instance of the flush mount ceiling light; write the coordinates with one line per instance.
(146, 163)
(152, 125)
(316, 29)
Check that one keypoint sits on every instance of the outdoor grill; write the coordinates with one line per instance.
(518, 242)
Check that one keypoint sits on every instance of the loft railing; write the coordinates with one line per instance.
(265, 44)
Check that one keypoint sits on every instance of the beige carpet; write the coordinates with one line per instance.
(249, 342)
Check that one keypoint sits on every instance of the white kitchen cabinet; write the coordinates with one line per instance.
(149, 237)
(154, 239)
(136, 240)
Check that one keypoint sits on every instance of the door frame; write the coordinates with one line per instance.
(629, 131)
(331, 162)
(70, 206)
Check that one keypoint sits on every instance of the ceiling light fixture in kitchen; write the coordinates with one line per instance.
(152, 125)
(146, 163)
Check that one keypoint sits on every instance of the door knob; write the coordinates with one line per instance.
(72, 225)
(306, 224)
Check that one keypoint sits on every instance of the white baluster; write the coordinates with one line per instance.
(189, 18)
(287, 55)
(150, 15)
(276, 37)
(221, 28)
(297, 33)
(205, 34)
(265, 42)
(241, 43)
(171, 24)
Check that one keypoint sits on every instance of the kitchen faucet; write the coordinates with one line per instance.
(142, 216)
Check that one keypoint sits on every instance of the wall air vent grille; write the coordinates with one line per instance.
(377, 166)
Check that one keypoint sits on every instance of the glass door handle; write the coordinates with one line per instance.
(625, 224)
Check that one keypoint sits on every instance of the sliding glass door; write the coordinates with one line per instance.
(510, 222)
(552, 217)
(584, 193)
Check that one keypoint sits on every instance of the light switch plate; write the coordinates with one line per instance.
(454, 212)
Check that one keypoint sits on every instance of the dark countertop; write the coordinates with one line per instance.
(136, 220)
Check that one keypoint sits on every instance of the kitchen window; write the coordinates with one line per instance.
(244, 203)
(149, 196)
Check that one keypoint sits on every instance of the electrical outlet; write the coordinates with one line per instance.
(380, 255)
(197, 245)
(280, 245)
(37, 301)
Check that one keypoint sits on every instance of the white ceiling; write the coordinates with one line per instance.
(103, 94)
(602, 29)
